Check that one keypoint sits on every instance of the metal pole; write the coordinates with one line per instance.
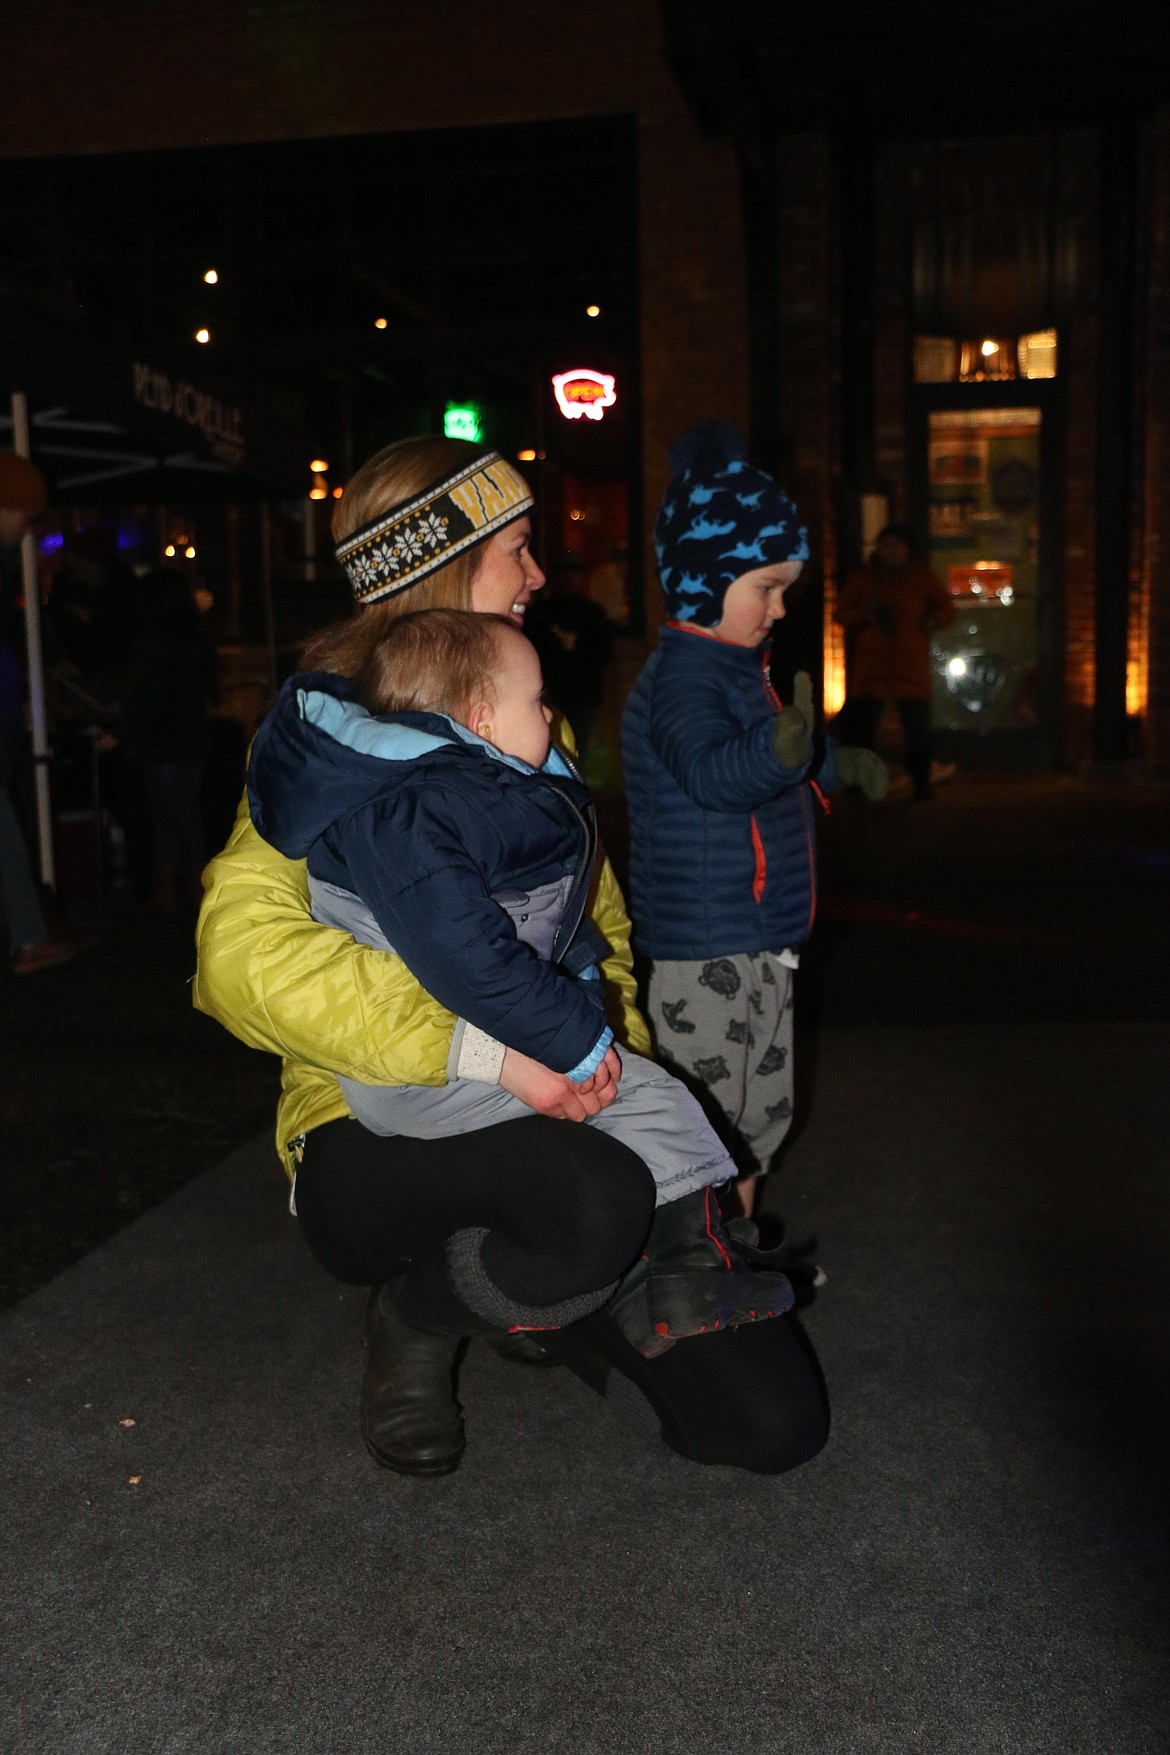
(36, 663)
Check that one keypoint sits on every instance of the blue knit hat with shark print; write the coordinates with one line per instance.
(720, 518)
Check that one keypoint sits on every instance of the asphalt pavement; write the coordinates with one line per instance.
(201, 1556)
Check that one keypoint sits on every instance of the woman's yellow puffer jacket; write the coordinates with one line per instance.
(280, 981)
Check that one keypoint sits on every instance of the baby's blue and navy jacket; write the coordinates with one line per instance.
(430, 826)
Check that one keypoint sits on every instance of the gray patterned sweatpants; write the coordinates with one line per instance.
(726, 1024)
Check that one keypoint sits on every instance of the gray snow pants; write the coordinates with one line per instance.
(726, 1024)
(653, 1113)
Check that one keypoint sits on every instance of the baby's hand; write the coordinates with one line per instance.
(611, 1066)
(607, 1074)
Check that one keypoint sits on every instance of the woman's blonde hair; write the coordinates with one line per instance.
(396, 473)
(434, 661)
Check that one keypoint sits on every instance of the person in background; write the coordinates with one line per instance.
(23, 496)
(91, 623)
(164, 728)
(574, 643)
(889, 609)
(607, 587)
(723, 782)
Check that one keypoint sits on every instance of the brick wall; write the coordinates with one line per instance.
(1152, 605)
(807, 341)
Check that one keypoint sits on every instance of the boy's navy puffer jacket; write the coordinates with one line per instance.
(722, 838)
(434, 830)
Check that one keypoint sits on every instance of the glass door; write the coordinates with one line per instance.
(984, 543)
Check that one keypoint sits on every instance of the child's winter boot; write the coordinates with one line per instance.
(692, 1281)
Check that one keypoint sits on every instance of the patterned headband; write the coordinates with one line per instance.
(397, 549)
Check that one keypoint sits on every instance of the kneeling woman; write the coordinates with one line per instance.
(561, 1211)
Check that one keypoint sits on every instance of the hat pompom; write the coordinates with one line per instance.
(710, 446)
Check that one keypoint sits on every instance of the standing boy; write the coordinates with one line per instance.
(722, 783)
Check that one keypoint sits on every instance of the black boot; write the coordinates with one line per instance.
(410, 1418)
(691, 1281)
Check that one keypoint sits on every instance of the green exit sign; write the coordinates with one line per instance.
(461, 421)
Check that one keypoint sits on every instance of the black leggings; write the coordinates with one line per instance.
(567, 1209)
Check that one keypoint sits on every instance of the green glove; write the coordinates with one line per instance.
(863, 769)
(792, 733)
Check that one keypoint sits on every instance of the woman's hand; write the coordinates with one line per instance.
(552, 1094)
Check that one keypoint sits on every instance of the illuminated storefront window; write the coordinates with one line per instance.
(941, 359)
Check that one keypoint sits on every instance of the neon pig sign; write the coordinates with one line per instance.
(584, 393)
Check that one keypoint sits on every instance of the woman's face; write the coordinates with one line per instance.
(507, 576)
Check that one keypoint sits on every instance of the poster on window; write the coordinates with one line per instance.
(958, 461)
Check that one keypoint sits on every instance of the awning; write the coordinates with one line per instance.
(106, 424)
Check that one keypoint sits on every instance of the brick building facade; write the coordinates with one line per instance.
(101, 79)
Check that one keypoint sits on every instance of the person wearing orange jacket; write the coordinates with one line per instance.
(888, 609)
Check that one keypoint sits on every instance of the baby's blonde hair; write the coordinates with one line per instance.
(434, 661)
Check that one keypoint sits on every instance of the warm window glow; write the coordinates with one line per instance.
(1135, 687)
(318, 466)
(1137, 669)
(526, 456)
(379, 323)
(986, 361)
(211, 277)
(1037, 354)
(203, 336)
(939, 359)
(189, 551)
(337, 493)
(936, 359)
(593, 310)
(318, 493)
(834, 667)
(169, 550)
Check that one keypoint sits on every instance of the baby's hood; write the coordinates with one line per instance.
(320, 755)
